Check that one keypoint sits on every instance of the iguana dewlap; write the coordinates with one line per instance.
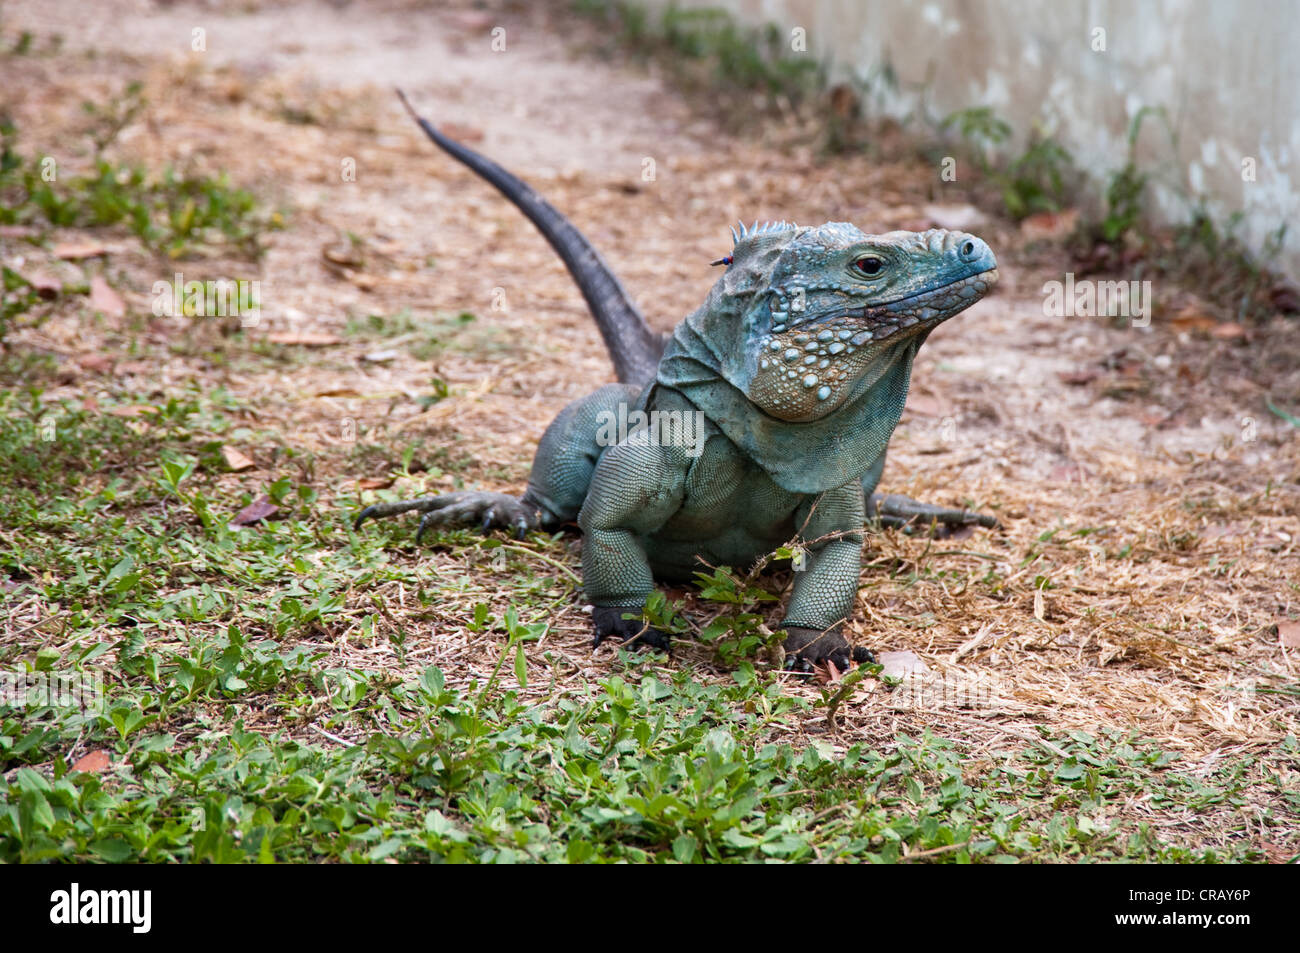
(774, 404)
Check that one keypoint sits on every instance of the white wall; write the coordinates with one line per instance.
(1227, 73)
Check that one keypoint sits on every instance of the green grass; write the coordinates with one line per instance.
(1033, 181)
(237, 734)
(172, 214)
(708, 51)
(427, 337)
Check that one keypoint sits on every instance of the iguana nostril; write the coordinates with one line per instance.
(968, 249)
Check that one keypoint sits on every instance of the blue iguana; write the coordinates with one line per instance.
(781, 393)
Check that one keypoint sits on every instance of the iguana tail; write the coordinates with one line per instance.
(634, 348)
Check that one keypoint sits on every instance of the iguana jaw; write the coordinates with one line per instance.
(897, 320)
(806, 372)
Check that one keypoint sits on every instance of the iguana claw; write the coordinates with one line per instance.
(466, 508)
(805, 648)
(895, 511)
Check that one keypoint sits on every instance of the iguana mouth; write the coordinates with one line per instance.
(916, 312)
(807, 370)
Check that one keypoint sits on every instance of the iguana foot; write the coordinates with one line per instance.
(805, 648)
(608, 621)
(464, 509)
(895, 511)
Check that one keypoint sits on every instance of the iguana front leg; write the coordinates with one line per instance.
(634, 490)
(830, 525)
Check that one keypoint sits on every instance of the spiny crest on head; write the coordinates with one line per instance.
(757, 236)
(757, 230)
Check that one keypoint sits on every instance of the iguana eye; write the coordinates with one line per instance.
(869, 265)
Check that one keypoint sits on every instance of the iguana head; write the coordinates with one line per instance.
(802, 353)
(823, 308)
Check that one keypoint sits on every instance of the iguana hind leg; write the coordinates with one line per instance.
(557, 485)
(467, 508)
(895, 511)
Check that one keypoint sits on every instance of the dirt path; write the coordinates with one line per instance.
(1149, 497)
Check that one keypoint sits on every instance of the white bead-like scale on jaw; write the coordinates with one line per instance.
(818, 330)
(810, 359)
(806, 364)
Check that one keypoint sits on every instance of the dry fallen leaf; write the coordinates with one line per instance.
(1284, 297)
(1288, 633)
(260, 509)
(93, 762)
(375, 483)
(461, 132)
(826, 673)
(44, 284)
(1049, 224)
(99, 363)
(1192, 318)
(235, 460)
(130, 410)
(71, 251)
(304, 338)
(104, 299)
(1068, 473)
(344, 254)
(844, 101)
(901, 664)
(1078, 378)
(1228, 331)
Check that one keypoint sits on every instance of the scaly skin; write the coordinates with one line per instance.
(797, 366)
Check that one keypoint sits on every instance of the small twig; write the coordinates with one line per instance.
(934, 850)
(544, 558)
(335, 738)
(967, 552)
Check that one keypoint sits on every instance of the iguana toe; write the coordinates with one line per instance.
(608, 621)
(863, 656)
